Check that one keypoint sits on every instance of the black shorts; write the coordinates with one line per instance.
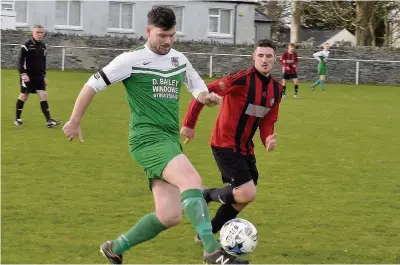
(236, 169)
(288, 76)
(36, 83)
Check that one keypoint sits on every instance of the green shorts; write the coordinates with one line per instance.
(321, 70)
(153, 152)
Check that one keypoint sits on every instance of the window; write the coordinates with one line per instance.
(120, 16)
(21, 10)
(178, 10)
(7, 5)
(69, 13)
(220, 21)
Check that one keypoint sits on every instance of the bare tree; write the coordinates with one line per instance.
(392, 33)
(363, 21)
(278, 11)
(392, 24)
(295, 21)
(367, 19)
(328, 15)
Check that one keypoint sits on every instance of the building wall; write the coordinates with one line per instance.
(343, 35)
(245, 24)
(195, 19)
(263, 30)
(7, 19)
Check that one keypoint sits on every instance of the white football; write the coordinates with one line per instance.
(238, 237)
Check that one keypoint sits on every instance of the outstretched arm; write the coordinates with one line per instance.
(220, 87)
(317, 55)
(117, 70)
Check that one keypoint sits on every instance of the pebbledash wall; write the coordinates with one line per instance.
(339, 71)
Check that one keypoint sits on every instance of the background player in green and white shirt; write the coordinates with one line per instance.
(322, 57)
(153, 76)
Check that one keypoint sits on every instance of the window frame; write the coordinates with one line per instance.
(9, 2)
(22, 24)
(181, 32)
(120, 29)
(70, 27)
(12, 3)
(219, 34)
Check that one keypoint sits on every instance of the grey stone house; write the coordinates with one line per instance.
(200, 20)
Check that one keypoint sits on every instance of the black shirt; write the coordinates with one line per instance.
(32, 58)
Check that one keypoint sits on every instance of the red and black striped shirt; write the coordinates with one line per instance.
(250, 101)
(289, 62)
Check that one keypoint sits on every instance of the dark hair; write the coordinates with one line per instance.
(265, 43)
(161, 17)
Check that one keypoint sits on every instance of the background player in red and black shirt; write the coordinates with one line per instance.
(251, 101)
(289, 62)
(32, 69)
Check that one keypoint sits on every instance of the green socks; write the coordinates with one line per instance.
(196, 211)
(149, 226)
(317, 82)
(322, 85)
(145, 229)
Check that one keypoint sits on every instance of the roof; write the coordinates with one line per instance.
(343, 35)
(317, 36)
(261, 17)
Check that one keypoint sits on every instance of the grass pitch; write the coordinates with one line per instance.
(330, 193)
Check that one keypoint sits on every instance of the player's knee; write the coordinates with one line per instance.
(43, 95)
(245, 193)
(181, 173)
(23, 96)
(169, 218)
(240, 206)
(193, 181)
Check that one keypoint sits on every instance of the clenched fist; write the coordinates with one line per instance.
(188, 133)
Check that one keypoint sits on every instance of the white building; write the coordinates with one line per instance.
(220, 21)
(342, 36)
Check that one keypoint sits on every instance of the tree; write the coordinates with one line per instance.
(295, 21)
(367, 19)
(328, 15)
(392, 13)
(278, 11)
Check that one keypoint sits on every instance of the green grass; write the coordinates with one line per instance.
(330, 193)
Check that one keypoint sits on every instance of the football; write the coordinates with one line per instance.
(239, 237)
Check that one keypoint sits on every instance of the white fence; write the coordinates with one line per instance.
(212, 56)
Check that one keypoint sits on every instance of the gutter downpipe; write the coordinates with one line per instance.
(234, 25)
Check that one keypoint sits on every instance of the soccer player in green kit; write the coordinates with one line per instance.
(322, 57)
(152, 76)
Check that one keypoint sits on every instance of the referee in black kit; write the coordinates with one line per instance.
(32, 69)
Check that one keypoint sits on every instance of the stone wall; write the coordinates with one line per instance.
(93, 59)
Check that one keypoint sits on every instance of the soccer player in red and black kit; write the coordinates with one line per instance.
(251, 101)
(289, 63)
